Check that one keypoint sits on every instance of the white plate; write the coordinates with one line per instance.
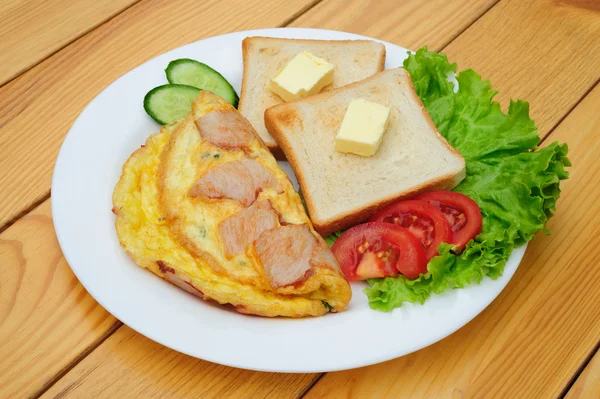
(111, 127)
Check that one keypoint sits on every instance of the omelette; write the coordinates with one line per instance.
(204, 205)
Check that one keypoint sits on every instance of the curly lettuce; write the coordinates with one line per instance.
(516, 194)
(515, 184)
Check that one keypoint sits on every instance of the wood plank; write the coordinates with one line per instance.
(410, 24)
(32, 30)
(188, 369)
(542, 70)
(544, 51)
(38, 108)
(588, 383)
(130, 365)
(47, 319)
(532, 339)
(146, 381)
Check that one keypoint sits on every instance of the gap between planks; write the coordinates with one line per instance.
(287, 22)
(67, 44)
(118, 324)
(588, 91)
(453, 38)
(579, 371)
(290, 20)
(595, 349)
(299, 13)
(46, 197)
(310, 386)
(556, 125)
(25, 211)
(584, 364)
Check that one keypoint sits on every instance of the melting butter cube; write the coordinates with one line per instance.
(362, 128)
(303, 76)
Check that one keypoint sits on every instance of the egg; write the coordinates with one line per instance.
(203, 204)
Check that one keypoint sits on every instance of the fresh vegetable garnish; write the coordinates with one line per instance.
(196, 74)
(332, 238)
(515, 187)
(378, 249)
(422, 219)
(168, 103)
(461, 212)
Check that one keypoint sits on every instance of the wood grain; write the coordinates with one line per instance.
(130, 365)
(47, 319)
(38, 108)
(410, 24)
(535, 335)
(189, 370)
(587, 385)
(31, 30)
(544, 51)
(544, 314)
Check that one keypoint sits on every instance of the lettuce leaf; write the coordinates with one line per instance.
(515, 186)
(332, 238)
(517, 195)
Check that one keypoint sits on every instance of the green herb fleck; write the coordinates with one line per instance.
(217, 155)
(327, 306)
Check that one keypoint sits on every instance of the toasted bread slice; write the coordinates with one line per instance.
(354, 60)
(342, 190)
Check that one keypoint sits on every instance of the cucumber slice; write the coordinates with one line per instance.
(167, 103)
(193, 73)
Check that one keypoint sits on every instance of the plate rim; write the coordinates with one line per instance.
(357, 362)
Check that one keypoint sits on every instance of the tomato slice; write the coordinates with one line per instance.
(377, 249)
(422, 219)
(462, 213)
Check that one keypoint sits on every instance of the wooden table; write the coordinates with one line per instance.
(537, 339)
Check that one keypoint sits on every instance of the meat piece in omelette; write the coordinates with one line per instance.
(204, 205)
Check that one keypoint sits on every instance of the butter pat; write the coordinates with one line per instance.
(303, 76)
(362, 128)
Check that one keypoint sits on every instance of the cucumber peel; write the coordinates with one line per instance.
(168, 103)
(185, 71)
